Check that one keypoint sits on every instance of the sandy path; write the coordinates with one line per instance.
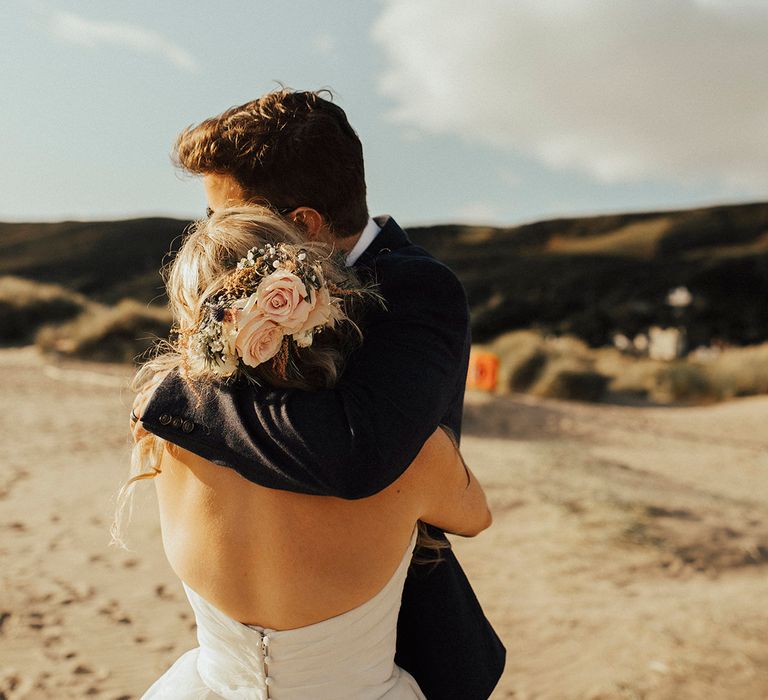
(627, 557)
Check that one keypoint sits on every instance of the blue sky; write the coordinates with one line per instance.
(498, 111)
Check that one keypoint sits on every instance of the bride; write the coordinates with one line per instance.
(296, 597)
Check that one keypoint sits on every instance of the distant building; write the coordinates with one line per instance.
(665, 343)
(679, 298)
(621, 342)
(640, 343)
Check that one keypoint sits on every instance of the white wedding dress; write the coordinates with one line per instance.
(347, 657)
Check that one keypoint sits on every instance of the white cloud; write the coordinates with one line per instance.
(622, 89)
(87, 32)
(324, 45)
(477, 212)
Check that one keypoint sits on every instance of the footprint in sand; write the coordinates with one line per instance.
(75, 591)
(52, 635)
(113, 611)
(61, 654)
(43, 596)
(36, 620)
(52, 655)
(162, 592)
(85, 670)
(13, 684)
(100, 559)
(7, 484)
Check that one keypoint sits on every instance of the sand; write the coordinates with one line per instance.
(627, 558)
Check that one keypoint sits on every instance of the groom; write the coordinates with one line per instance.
(297, 153)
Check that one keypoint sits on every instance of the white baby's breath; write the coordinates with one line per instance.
(304, 339)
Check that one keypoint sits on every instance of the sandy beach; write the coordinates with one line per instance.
(627, 559)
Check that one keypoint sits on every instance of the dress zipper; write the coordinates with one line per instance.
(266, 661)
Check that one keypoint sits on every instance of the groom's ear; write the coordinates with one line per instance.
(311, 222)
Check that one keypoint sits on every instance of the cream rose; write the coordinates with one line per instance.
(325, 312)
(258, 338)
(283, 298)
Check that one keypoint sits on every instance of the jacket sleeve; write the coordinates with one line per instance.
(355, 439)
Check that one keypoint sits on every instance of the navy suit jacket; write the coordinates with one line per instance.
(355, 439)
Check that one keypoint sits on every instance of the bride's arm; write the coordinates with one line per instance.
(449, 495)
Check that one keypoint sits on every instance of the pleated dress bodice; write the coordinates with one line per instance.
(346, 657)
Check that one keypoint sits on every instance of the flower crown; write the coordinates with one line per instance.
(275, 297)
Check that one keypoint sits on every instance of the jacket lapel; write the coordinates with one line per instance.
(391, 237)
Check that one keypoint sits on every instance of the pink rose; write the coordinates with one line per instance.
(258, 338)
(325, 312)
(283, 298)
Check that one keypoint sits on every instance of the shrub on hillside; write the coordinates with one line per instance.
(527, 370)
(570, 376)
(556, 367)
(108, 334)
(565, 367)
(576, 385)
(521, 359)
(684, 381)
(740, 371)
(26, 305)
(630, 377)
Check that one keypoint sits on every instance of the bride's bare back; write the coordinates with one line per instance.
(284, 560)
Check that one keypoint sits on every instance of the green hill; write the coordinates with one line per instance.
(106, 260)
(590, 276)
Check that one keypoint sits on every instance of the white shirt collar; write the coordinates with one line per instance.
(370, 232)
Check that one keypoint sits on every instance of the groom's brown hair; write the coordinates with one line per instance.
(286, 149)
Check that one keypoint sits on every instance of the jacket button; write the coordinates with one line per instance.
(165, 419)
(187, 426)
(176, 422)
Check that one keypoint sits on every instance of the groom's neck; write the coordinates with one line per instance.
(341, 244)
(346, 244)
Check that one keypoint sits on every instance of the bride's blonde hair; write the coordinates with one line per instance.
(203, 267)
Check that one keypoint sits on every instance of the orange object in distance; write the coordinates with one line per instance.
(483, 372)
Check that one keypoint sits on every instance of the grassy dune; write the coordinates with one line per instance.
(595, 276)
(567, 368)
(590, 277)
(581, 280)
(26, 305)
